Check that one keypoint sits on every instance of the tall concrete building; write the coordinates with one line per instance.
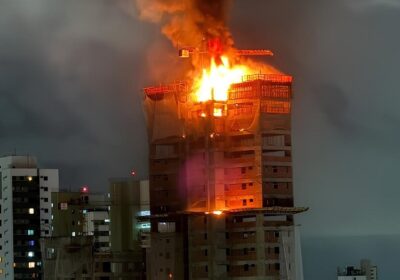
(130, 234)
(25, 215)
(221, 184)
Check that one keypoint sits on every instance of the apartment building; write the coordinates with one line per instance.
(25, 215)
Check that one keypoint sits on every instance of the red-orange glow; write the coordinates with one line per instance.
(215, 82)
(217, 212)
(218, 112)
(84, 189)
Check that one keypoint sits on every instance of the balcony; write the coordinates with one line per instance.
(240, 255)
(277, 223)
(238, 225)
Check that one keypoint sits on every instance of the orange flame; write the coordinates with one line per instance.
(215, 82)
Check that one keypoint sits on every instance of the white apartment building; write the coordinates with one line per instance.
(25, 193)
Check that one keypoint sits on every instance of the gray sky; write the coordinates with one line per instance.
(71, 74)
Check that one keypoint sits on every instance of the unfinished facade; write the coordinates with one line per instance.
(221, 190)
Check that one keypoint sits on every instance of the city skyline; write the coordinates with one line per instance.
(71, 95)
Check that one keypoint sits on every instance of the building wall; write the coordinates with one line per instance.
(237, 245)
(49, 183)
(125, 197)
(129, 235)
(235, 161)
(68, 258)
(352, 277)
(25, 215)
(166, 256)
(7, 226)
(97, 224)
(67, 216)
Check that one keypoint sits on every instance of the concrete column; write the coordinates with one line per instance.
(260, 245)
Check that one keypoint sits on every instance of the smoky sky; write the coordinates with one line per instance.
(344, 58)
(71, 74)
(69, 88)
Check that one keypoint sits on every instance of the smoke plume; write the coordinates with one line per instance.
(189, 22)
(194, 24)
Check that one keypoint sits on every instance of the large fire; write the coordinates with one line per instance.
(215, 82)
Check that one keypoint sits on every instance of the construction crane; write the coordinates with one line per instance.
(215, 47)
(187, 52)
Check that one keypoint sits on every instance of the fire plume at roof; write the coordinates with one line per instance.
(200, 26)
(214, 83)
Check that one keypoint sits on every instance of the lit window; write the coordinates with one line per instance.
(31, 242)
(31, 232)
(73, 233)
(31, 211)
(1, 271)
(31, 254)
(31, 264)
(30, 178)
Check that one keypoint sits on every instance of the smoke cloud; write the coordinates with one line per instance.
(193, 24)
(188, 22)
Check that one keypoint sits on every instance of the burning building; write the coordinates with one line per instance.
(221, 177)
(221, 187)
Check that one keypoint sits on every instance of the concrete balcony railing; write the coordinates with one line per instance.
(242, 257)
(236, 161)
(239, 240)
(241, 225)
(277, 223)
(276, 148)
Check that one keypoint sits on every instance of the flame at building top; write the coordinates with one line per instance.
(214, 83)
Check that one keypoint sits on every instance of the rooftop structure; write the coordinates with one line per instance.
(366, 271)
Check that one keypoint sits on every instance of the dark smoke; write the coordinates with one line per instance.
(189, 23)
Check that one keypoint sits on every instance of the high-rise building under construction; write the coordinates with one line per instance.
(221, 188)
